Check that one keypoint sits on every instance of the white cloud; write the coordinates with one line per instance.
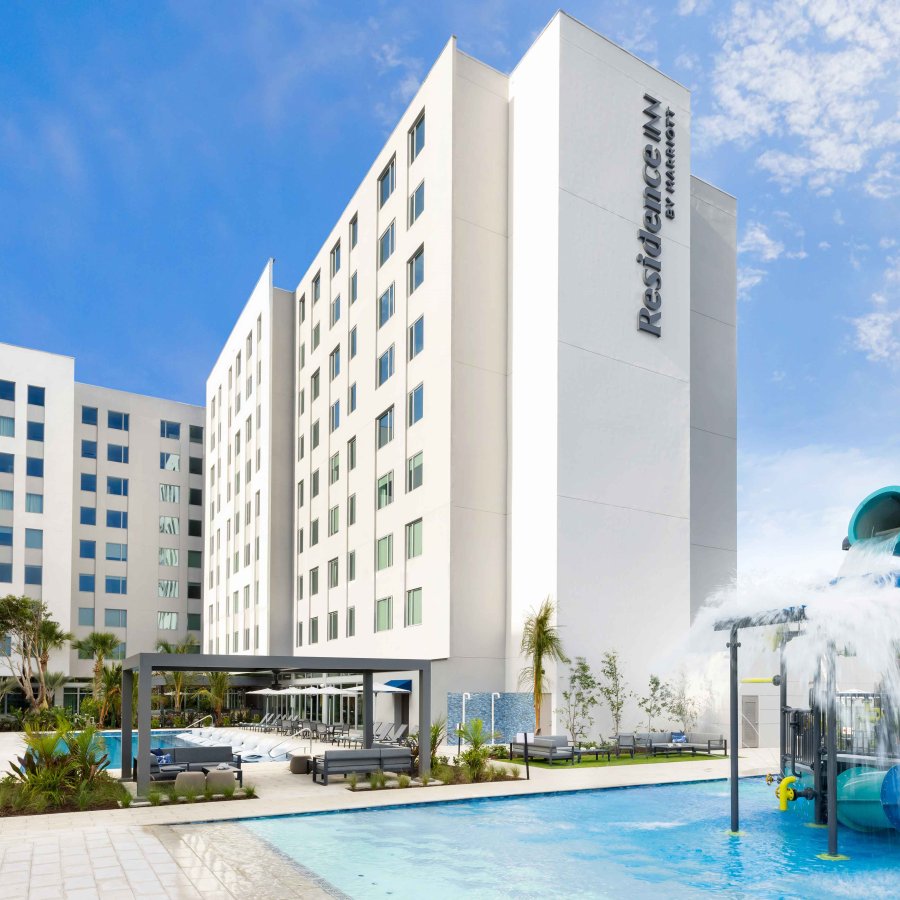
(886, 243)
(876, 335)
(407, 73)
(779, 375)
(747, 279)
(690, 62)
(689, 7)
(756, 240)
(824, 245)
(817, 77)
(884, 181)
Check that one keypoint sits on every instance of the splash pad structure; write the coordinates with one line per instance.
(842, 751)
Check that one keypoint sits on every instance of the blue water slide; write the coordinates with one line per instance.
(869, 798)
(876, 514)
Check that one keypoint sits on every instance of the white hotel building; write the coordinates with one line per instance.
(508, 373)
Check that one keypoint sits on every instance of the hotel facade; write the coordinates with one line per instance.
(508, 374)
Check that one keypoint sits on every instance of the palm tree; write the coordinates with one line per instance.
(216, 692)
(53, 681)
(111, 688)
(179, 683)
(100, 645)
(50, 637)
(541, 644)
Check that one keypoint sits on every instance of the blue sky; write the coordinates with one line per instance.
(153, 156)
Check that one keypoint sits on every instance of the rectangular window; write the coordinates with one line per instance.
(314, 435)
(414, 539)
(118, 552)
(7, 463)
(117, 420)
(385, 490)
(351, 398)
(351, 566)
(332, 625)
(335, 310)
(314, 484)
(314, 581)
(88, 482)
(167, 587)
(115, 618)
(351, 621)
(387, 182)
(88, 449)
(313, 532)
(34, 431)
(385, 365)
(351, 510)
(168, 525)
(87, 549)
(34, 538)
(351, 454)
(169, 429)
(414, 472)
(417, 138)
(6, 536)
(195, 496)
(316, 288)
(116, 518)
(170, 493)
(195, 465)
(413, 614)
(116, 585)
(354, 289)
(86, 583)
(333, 520)
(35, 395)
(334, 363)
(299, 634)
(335, 416)
(119, 652)
(34, 574)
(417, 337)
(299, 494)
(386, 245)
(385, 552)
(386, 306)
(118, 487)
(384, 614)
(316, 335)
(416, 269)
(195, 559)
(86, 616)
(168, 556)
(314, 630)
(354, 231)
(415, 405)
(196, 437)
(333, 573)
(352, 342)
(335, 468)
(417, 203)
(7, 390)
(117, 453)
(88, 415)
(5, 574)
(335, 259)
(314, 383)
(194, 622)
(171, 462)
(385, 428)
(7, 426)
(167, 621)
(34, 503)
(6, 499)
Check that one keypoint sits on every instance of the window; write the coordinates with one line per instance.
(299, 634)
(351, 398)
(7, 426)
(87, 549)
(385, 490)
(352, 342)
(34, 503)
(171, 462)
(383, 614)
(386, 183)
(88, 482)
(6, 499)
(386, 306)
(316, 335)
(351, 566)
(351, 621)
(351, 510)
(5, 573)
(167, 587)
(415, 410)
(334, 363)
(86, 616)
(332, 625)
(385, 427)
(88, 515)
(417, 138)
(117, 486)
(88, 449)
(169, 493)
(335, 259)
(168, 556)
(168, 525)
(416, 267)
(314, 435)
(351, 454)
(414, 539)
(7, 462)
(313, 532)
(414, 472)
(416, 337)
(116, 585)
(413, 615)
(116, 518)
(34, 431)
(314, 385)
(335, 416)
(6, 536)
(314, 581)
(118, 652)
(34, 574)
(117, 420)
(195, 559)
(314, 630)
(86, 583)
(386, 245)
(385, 552)
(385, 365)
(196, 437)
(354, 231)
(195, 465)
(335, 310)
(417, 203)
(314, 484)
(354, 289)
(333, 520)
(194, 622)
(34, 538)
(316, 288)
(169, 429)
(88, 415)
(335, 468)
(167, 621)
(118, 552)
(115, 618)
(7, 390)
(117, 453)
(195, 528)
(333, 573)
(35, 395)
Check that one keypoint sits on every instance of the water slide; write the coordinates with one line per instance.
(869, 799)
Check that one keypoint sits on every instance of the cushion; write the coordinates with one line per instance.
(679, 737)
(163, 759)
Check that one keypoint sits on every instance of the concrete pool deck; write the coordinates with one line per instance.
(154, 852)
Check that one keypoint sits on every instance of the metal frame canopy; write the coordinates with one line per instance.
(145, 664)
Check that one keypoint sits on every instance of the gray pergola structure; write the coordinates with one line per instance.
(145, 664)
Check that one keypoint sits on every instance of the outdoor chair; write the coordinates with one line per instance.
(625, 743)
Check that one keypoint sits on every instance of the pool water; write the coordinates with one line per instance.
(113, 742)
(660, 841)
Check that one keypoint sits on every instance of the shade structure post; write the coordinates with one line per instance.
(733, 648)
(127, 689)
(425, 720)
(831, 750)
(368, 711)
(145, 683)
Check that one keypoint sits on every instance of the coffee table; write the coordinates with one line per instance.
(238, 773)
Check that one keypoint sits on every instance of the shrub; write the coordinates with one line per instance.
(513, 771)
(228, 792)
(403, 780)
(499, 751)
(377, 780)
(425, 779)
(155, 797)
(207, 793)
(353, 780)
(190, 795)
(126, 799)
(249, 790)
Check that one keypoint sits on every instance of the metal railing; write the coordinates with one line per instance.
(202, 719)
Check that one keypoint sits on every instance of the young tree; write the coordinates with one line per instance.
(50, 637)
(111, 691)
(216, 692)
(179, 684)
(614, 688)
(100, 645)
(580, 699)
(541, 645)
(681, 704)
(654, 703)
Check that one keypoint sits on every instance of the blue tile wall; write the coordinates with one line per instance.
(513, 712)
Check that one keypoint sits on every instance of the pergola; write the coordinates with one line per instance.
(145, 664)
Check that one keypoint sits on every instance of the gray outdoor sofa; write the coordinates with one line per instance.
(190, 759)
(697, 742)
(550, 747)
(362, 762)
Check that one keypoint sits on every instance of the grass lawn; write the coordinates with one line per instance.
(624, 760)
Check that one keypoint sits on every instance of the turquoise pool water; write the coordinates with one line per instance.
(113, 743)
(667, 841)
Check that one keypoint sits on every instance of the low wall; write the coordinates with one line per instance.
(513, 712)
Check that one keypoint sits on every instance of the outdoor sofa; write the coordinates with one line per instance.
(695, 741)
(362, 762)
(190, 759)
(550, 747)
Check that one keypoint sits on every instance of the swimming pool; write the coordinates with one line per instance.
(667, 840)
(113, 743)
